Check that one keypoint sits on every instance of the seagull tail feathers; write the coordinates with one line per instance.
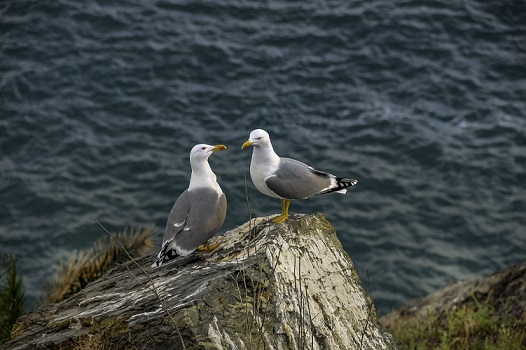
(340, 184)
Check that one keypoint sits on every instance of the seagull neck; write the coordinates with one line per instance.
(202, 176)
(265, 153)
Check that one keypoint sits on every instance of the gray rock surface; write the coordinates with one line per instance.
(268, 286)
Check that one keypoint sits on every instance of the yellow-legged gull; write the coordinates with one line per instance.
(199, 211)
(287, 178)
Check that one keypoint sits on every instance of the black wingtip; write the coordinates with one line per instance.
(348, 182)
(341, 184)
(165, 255)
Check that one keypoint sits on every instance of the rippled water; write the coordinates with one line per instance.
(422, 101)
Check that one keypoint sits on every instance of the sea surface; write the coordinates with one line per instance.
(424, 102)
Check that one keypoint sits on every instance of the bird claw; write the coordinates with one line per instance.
(206, 247)
(279, 219)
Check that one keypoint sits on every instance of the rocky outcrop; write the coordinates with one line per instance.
(268, 286)
(506, 288)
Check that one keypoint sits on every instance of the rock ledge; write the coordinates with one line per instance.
(268, 286)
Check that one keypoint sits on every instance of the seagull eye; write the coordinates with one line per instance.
(203, 148)
(259, 138)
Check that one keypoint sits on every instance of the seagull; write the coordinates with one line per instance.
(287, 178)
(198, 213)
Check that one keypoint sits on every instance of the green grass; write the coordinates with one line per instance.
(11, 297)
(474, 326)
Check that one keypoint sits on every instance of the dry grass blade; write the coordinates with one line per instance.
(152, 284)
(370, 310)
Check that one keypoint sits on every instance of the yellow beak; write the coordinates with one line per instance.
(246, 144)
(218, 148)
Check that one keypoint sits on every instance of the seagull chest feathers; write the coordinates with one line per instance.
(264, 163)
(203, 176)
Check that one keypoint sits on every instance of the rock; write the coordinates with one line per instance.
(506, 287)
(268, 286)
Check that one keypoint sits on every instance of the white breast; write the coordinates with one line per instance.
(262, 166)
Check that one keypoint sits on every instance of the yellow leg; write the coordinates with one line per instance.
(206, 247)
(284, 211)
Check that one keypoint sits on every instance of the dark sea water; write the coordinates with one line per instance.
(424, 102)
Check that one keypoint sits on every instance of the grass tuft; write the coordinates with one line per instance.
(11, 297)
(83, 267)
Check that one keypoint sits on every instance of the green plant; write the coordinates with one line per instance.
(11, 297)
(474, 325)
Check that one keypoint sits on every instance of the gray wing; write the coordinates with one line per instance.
(177, 218)
(205, 216)
(296, 180)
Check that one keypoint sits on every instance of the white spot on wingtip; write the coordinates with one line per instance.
(178, 224)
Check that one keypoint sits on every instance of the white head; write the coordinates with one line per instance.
(202, 151)
(258, 138)
(202, 174)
